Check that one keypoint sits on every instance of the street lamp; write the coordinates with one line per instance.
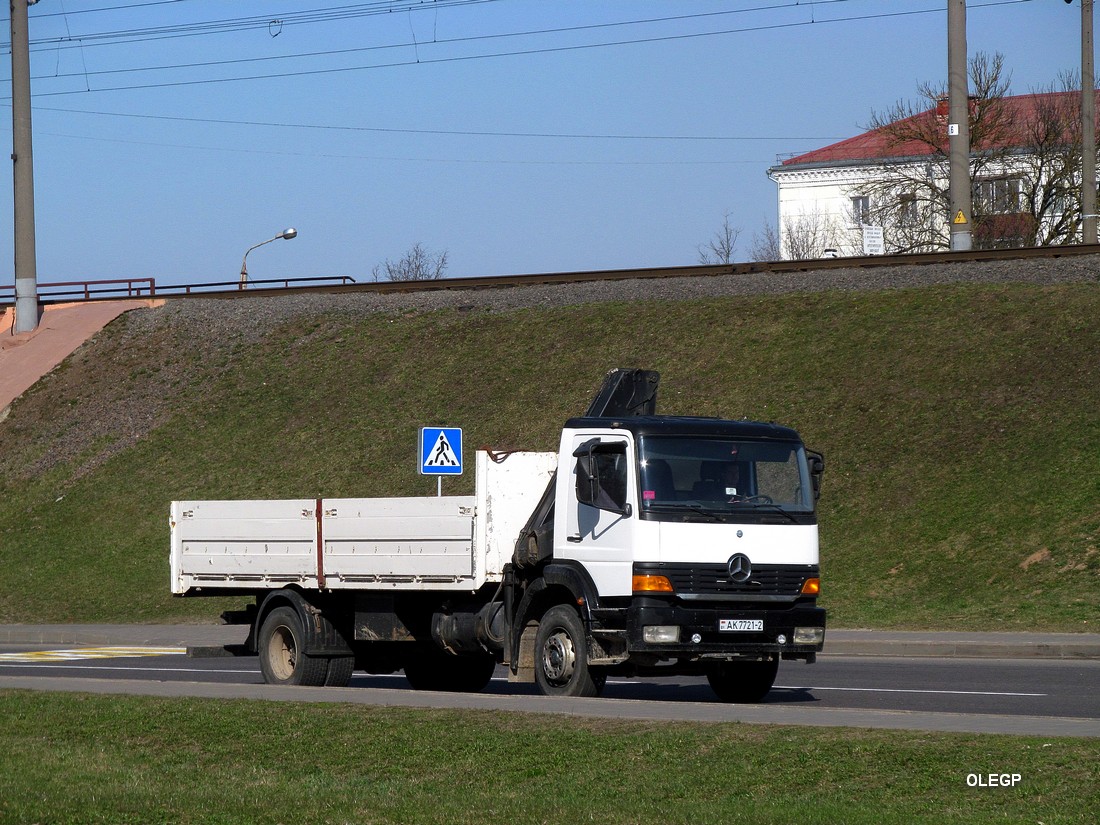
(286, 234)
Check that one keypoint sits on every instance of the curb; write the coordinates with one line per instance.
(973, 649)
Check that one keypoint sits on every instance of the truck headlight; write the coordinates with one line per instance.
(658, 634)
(809, 635)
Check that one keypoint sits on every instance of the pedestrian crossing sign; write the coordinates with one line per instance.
(441, 451)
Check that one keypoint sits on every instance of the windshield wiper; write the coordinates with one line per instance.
(683, 505)
(773, 506)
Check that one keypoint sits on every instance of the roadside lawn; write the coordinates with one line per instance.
(83, 760)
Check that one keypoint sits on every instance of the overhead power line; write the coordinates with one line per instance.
(231, 25)
(420, 59)
(411, 159)
(448, 132)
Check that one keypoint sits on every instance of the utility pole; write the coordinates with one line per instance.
(958, 126)
(1088, 128)
(26, 274)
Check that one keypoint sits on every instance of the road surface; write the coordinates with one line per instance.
(1027, 696)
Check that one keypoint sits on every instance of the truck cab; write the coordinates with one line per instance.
(691, 547)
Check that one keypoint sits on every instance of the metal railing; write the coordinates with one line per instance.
(117, 288)
(267, 283)
(89, 290)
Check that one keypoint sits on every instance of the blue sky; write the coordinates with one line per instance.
(520, 136)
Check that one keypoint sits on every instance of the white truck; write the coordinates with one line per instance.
(646, 545)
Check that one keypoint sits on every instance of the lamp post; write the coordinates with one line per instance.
(286, 234)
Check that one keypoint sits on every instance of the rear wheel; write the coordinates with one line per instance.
(561, 656)
(282, 662)
(743, 682)
(339, 671)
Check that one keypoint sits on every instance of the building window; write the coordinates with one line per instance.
(1000, 219)
(908, 210)
(997, 196)
(861, 209)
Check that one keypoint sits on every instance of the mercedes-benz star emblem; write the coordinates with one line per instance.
(740, 568)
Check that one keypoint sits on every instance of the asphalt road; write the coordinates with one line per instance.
(1043, 697)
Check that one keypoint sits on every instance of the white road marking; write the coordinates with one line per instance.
(85, 668)
(912, 690)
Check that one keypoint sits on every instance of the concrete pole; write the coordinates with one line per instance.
(1088, 127)
(26, 275)
(958, 126)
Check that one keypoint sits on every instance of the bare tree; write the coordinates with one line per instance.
(418, 264)
(1022, 167)
(910, 198)
(1050, 171)
(803, 237)
(808, 235)
(720, 248)
(765, 244)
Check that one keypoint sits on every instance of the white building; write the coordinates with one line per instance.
(889, 185)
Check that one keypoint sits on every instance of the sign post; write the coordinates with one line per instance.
(440, 453)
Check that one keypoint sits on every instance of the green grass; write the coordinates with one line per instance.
(960, 427)
(88, 759)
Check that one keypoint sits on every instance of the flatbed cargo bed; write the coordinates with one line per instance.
(412, 543)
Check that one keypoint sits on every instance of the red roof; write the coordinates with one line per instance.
(1021, 111)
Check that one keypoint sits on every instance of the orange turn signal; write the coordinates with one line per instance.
(811, 587)
(651, 584)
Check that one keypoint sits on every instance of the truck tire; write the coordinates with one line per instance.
(432, 669)
(282, 662)
(561, 656)
(339, 671)
(743, 682)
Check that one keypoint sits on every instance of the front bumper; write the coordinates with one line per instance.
(700, 636)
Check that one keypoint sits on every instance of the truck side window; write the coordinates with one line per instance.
(612, 470)
(602, 477)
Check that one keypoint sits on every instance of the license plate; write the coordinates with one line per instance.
(740, 625)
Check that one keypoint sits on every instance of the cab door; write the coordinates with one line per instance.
(595, 526)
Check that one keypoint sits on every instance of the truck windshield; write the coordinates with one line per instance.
(723, 476)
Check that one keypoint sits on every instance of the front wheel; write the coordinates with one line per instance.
(282, 662)
(743, 682)
(561, 656)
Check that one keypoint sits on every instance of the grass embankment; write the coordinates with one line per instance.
(118, 760)
(960, 427)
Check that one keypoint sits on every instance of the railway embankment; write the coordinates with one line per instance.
(956, 406)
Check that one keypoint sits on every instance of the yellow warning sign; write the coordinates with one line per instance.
(960, 218)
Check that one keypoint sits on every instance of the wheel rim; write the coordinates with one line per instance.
(559, 658)
(282, 653)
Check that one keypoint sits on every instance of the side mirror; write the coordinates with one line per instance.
(817, 469)
(588, 481)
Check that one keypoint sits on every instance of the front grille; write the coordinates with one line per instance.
(713, 579)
